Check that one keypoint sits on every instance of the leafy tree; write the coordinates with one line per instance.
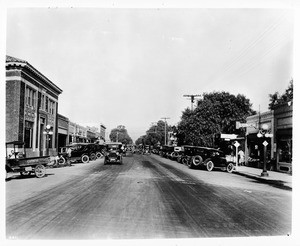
(155, 134)
(277, 99)
(216, 113)
(120, 134)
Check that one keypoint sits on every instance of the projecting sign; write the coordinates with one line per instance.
(236, 144)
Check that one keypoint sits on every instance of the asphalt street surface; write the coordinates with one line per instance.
(146, 197)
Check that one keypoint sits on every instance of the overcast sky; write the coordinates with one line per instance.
(132, 66)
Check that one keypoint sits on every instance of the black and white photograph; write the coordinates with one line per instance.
(149, 122)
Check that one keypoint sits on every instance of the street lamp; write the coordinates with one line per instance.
(48, 131)
(264, 133)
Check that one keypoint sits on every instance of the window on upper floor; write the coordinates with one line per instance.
(30, 96)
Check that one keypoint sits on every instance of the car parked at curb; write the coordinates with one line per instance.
(208, 158)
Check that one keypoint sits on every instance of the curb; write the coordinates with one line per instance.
(273, 182)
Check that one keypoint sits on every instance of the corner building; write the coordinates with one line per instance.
(31, 105)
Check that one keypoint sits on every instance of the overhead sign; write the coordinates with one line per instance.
(239, 124)
(236, 144)
(229, 136)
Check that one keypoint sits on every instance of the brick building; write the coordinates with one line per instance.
(31, 105)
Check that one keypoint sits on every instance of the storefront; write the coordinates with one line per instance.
(254, 148)
(283, 115)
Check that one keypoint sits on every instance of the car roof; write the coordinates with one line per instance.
(113, 143)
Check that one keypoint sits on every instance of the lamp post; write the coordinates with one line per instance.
(48, 131)
(264, 133)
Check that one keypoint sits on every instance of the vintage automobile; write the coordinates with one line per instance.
(209, 158)
(113, 153)
(17, 161)
(175, 153)
(166, 151)
(146, 150)
(79, 152)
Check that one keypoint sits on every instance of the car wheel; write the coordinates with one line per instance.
(98, 154)
(93, 157)
(197, 160)
(61, 160)
(85, 159)
(189, 163)
(230, 167)
(209, 165)
(40, 171)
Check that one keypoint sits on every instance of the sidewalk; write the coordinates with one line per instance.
(280, 180)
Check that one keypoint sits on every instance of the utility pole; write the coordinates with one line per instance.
(165, 118)
(192, 99)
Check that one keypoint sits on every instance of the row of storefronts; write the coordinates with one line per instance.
(32, 112)
(275, 130)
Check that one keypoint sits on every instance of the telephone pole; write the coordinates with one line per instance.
(165, 118)
(192, 99)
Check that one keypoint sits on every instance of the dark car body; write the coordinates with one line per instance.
(166, 151)
(203, 157)
(82, 152)
(113, 153)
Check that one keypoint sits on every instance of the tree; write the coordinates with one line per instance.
(216, 113)
(277, 99)
(155, 134)
(120, 134)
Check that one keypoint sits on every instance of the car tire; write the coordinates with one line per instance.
(93, 157)
(61, 160)
(40, 171)
(197, 160)
(85, 159)
(209, 165)
(98, 155)
(230, 167)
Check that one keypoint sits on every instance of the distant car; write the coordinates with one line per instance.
(113, 153)
(203, 157)
(146, 150)
(166, 151)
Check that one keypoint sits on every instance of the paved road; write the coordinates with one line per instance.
(146, 197)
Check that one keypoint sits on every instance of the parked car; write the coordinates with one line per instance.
(175, 153)
(203, 157)
(83, 152)
(113, 153)
(166, 151)
(17, 161)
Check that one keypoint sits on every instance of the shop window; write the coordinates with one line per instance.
(28, 134)
(285, 150)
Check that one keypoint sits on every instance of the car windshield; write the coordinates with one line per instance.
(113, 147)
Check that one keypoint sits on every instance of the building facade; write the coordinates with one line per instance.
(62, 132)
(31, 105)
(279, 123)
(283, 117)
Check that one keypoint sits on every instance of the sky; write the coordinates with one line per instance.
(132, 66)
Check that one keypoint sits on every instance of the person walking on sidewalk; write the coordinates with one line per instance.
(241, 156)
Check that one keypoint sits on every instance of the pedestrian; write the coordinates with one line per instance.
(241, 156)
